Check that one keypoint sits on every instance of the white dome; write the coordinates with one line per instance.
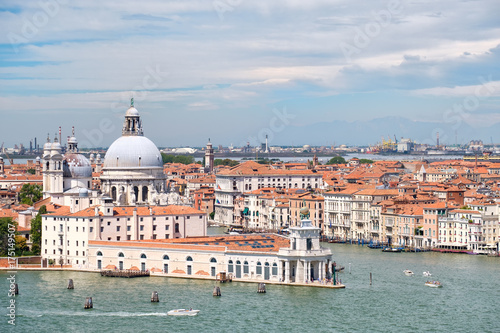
(76, 166)
(132, 112)
(133, 152)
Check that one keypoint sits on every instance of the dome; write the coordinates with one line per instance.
(132, 112)
(76, 166)
(72, 140)
(133, 152)
(304, 211)
(83, 193)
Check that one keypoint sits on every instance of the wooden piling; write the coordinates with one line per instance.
(88, 303)
(261, 288)
(154, 297)
(216, 291)
(70, 284)
(16, 289)
(370, 278)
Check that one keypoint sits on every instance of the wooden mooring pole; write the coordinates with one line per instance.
(70, 284)
(154, 297)
(88, 303)
(370, 278)
(216, 291)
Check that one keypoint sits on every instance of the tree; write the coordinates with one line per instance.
(31, 171)
(225, 161)
(30, 193)
(6, 226)
(36, 231)
(212, 215)
(365, 161)
(184, 159)
(336, 160)
(21, 245)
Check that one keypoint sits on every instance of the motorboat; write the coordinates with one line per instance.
(434, 284)
(427, 273)
(391, 249)
(183, 312)
(408, 272)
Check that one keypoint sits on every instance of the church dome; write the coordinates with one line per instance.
(76, 166)
(133, 152)
(132, 112)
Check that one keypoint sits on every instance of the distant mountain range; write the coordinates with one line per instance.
(371, 131)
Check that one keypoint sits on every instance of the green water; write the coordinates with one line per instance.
(468, 302)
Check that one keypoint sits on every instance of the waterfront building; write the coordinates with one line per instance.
(338, 212)
(315, 204)
(66, 231)
(454, 228)
(298, 259)
(430, 225)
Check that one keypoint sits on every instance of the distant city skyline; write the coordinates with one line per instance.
(312, 72)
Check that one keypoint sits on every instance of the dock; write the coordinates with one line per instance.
(124, 273)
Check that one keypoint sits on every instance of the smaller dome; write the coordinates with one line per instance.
(98, 155)
(77, 166)
(92, 155)
(37, 158)
(132, 112)
(72, 140)
(83, 192)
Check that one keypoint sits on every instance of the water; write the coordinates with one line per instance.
(393, 303)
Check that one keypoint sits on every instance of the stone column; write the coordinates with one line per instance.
(287, 271)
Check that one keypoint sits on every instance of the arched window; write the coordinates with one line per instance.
(121, 255)
(259, 268)
(165, 257)
(99, 253)
(143, 256)
(275, 269)
(177, 227)
(230, 267)
(245, 267)
(213, 260)
(144, 193)
(189, 259)
(113, 193)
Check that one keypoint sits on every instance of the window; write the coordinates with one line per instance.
(245, 267)
(128, 228)
(102, 229)
(275, 269)
(166, 257)
(189, 258)
(177, 227)
(230, 267)
(121, 255)
(143, 256)
(141, 228)
(141, 237)
(154, 228)
(91, 229)
(109, 223)
(213, 260)
(166, 227)
(259, 268)
(117, 228)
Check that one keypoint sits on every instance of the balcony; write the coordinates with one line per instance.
(60, 233)
(375, 231)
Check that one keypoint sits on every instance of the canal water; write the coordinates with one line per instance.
(468, 302)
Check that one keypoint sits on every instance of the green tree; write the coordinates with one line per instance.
(30, 193)
(184, 159)
(21, 246)
(212, 215)
(31, 171)
(225, 161)
(365, 161)
(36, 231)
(6, 223)
(336, 160)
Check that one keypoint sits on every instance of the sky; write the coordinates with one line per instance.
(237, 70)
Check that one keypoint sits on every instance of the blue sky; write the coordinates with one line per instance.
(222, 68)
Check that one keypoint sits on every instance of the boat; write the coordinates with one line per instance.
(434, 284)
(339, 268)
(183, 312)
(408, 272)
(427, 273)
(391, 249)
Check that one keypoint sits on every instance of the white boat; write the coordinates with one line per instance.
(408, 272)
(427, 273)
(434, 284)
(183, 312)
